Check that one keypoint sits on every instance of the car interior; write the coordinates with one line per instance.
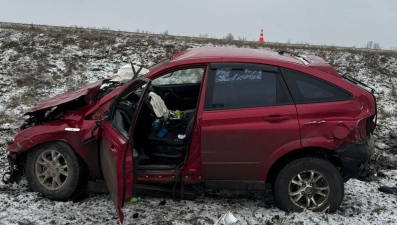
(162, 143)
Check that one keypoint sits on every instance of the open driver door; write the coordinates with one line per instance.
(118, 158)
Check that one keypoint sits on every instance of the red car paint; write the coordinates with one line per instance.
(89, 92)
(232, 144)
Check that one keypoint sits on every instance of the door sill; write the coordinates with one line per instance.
(156, 167)
(156, 191)
(235, 185)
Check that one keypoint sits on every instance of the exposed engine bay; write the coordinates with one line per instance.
(58, 112)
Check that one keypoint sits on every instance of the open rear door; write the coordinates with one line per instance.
(116, 148)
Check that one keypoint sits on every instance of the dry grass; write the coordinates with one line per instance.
(5, 118)
(384, 114)
(33, 64)
(378, 209)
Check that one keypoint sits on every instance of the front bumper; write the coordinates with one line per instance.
(354, 157)
(15, 173)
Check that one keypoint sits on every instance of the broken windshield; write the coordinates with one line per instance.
(162, 62)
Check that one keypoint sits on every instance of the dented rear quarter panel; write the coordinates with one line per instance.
(331, 124)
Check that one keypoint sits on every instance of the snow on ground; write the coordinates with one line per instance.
(363, 204)
(40, 62)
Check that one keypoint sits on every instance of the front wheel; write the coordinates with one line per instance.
(309, 183)
(54, 170)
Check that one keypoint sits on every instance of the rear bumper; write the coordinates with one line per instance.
(354, 156)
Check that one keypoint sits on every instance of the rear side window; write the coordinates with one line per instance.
(308, 89)
(244, 86)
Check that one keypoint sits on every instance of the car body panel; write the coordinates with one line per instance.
(236, 143)
(322, 124)
(116, 151)
(318, 121)
(89, 92)
(55, 131)
(320, 64)
(116, 165)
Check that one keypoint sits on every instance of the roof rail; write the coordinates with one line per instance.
(302, 59)
(291, 53)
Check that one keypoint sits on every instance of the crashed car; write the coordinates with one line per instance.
(223, 117)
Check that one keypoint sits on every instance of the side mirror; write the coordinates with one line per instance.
(93, 134)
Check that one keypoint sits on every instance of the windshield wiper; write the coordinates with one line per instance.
(134, 71)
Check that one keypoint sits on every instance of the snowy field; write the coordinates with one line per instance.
(39, 62)
(363, 204)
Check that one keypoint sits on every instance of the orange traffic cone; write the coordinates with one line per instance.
(261, 37)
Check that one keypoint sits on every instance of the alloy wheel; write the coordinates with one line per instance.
(51, 169)
(309, 189)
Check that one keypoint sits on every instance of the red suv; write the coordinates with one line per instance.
(225, 117)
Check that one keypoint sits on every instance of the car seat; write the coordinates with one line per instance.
(170, 146)
(174, 123)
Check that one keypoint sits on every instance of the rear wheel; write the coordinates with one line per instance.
(54, 170)
(309, 183)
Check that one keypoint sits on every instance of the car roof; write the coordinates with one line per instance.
(209, 54)
(201, 55)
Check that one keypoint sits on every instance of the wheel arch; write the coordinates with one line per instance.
(317, 152)
(23, 154)
(31, 138)
(77, 171)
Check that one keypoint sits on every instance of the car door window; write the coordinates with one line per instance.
(244, 86)
(185, 76)
(309, 89)
(124, 108)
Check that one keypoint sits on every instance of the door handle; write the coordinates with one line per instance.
(275, 118)
(112, 148)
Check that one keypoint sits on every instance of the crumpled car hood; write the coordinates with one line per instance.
(88, 91)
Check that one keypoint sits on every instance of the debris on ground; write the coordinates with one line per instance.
(227, 219)
(163, 202)
(135, 200)
(388, 190)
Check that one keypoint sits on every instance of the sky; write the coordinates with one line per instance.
(329, 22)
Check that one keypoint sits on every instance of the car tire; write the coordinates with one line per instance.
(55, 170)
(345, 179)
(309, 183)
